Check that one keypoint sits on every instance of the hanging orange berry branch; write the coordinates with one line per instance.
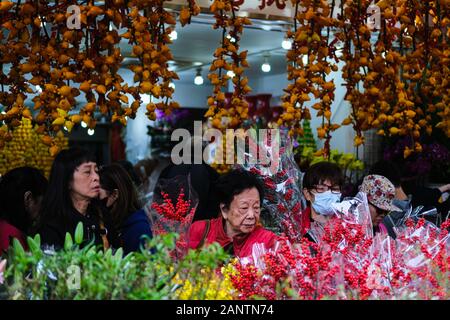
(54, 55)
(225, 12)
(311, 39)
(402, 74)
(150, 37)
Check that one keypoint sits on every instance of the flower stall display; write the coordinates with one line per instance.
(346, 263)
(27, 148)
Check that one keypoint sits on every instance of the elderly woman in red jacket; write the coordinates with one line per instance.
(237, 228)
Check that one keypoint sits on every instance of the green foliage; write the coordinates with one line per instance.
(91, 273)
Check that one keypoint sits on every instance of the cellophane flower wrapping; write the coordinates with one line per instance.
(348, 261)
(172, 210)
(281, 178)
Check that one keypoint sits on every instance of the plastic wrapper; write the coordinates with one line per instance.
(349, 262)
(351, 211)
(172, 210)
(283, 201)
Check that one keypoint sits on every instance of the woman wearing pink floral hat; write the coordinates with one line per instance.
(380, 195)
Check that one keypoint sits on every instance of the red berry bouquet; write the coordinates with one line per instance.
(172, 210)
(349, 262)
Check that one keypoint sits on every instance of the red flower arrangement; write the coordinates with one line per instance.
(180, 212)
(172, 211)
(347, 263)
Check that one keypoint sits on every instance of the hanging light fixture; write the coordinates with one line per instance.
(265, 67)
(173, 35)
(198, 80)
(286, 44)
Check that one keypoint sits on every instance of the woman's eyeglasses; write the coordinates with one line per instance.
(321, 188)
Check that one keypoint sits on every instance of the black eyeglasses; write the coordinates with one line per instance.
(321, 188)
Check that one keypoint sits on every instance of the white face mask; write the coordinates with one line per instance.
(322, 202)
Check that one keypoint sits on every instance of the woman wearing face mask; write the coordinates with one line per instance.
(237, 229)
(322, 184)
(73, 184)
(21, 193)
(119, 196)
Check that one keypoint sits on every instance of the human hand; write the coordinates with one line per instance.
(444, 188)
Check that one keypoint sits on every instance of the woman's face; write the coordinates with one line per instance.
(34, 206)
(85, 181)
(243, 213)
(376, 214)
(107, 197)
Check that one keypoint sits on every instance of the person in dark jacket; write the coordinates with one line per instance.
(419, 196)
(130, 222)
(73, 184)
(21, 193)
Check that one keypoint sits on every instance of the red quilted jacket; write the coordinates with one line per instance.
(242, 245)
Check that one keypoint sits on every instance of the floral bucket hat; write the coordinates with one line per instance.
(380, 192)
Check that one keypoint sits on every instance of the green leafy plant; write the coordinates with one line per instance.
(91, 273)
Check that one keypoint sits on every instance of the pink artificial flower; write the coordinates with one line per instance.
(2, 269)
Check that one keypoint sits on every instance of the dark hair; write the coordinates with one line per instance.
(128, 166)
(113, 177)
(57, 202)
(321, 171)
(233, 183)
(13, 186)
(389, 170)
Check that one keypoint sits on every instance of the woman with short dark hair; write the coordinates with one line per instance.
(73, 185)
(21, 193)
(237, 229)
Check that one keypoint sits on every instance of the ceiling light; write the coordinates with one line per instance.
(231, 38)
(286, 44)
(230, 73)
(145, 98)
(90, 132)
(83, 124)
(198, 80)
(265, 67)
(173, 35)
